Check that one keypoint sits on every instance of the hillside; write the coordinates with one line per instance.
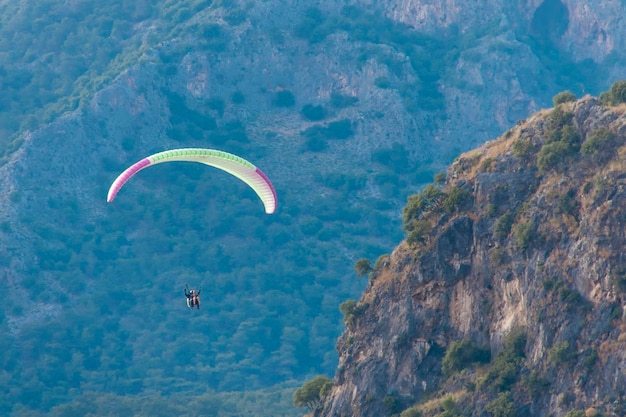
(349, 109)
(507, 296)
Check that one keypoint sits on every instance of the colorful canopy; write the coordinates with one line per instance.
(239, 167)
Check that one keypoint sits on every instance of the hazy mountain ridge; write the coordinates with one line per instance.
(533, 253)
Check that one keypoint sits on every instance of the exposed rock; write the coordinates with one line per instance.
(562, 284)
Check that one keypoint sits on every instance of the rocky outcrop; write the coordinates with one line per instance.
(557, 273)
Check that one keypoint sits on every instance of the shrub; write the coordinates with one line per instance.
(313, 113)
(450, 408)
(411, 412)
(351, 310)
(395, 157)
(382, 82)
(456, 199)
(497, 256)
(462, 354)
(558, 118)
(615, 95)
(238, 97)
(522, 148)
(575, 413)
(440, 178)
(618, 92)
(561, 353)
(598, 140)
(340, 129)
(505, 367)
(502, 406)
(488, 165)
(314, 26)
(341, 101)
(362, 267)
(284, 98)
(419, 232)
(392, 404)
(534, 384)
(312, 392)
(502, 227)
(563, 97)
(432, 193)
(523, 233)
(552, 155)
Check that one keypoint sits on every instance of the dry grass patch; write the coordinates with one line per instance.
(435, 405)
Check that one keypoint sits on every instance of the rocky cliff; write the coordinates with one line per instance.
(533, 253)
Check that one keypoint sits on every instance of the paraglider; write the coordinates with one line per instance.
(233, 164)
(193, 297)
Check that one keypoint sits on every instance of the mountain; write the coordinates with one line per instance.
(507, 297)
(349, 109)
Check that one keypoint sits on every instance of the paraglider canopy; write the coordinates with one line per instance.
(233, 164)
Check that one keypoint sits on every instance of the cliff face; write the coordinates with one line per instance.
(556, 273)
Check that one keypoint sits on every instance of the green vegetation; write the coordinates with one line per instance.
(561, 353)
(562, 143)
(576, 413)
(534, 385)
(227, 404)
(392, 404)
(463, 353)
(313, 113)
(362, 267)
(312, 392)
(457, 199)
(598, 140)
(411, 412)
(395, 158)
(351, 310)
(450, 408)
(506, 365)
(502, 406)
(502, 226)
(524, 233)
(522, 148)
(341, 101)
(615, 95)
(563, 97)
(316, 136)
(284, 98)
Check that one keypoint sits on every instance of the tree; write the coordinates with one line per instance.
(284, 98)
(419, 232)
(311, 393)
(615, 95)
(618, 92)
(432, 193)
(563, 97)
(440, 178)
(502, 406)
(413, 210)
(456, 199)
(314, 113)
(362, 267)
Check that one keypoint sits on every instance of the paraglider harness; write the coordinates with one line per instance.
(193, 297)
